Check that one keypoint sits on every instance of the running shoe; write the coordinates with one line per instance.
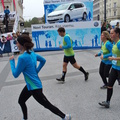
(105, 104)
(86, 76)
(60, 79)
(118, 81)
(103, 87)
(67, 117)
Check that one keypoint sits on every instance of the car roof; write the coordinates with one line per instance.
(76, 2)
(73, 3)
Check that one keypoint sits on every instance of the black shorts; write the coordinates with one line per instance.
(70, 59)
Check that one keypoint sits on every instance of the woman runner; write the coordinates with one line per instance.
(106, 51)
(27, 64)
(115, 72)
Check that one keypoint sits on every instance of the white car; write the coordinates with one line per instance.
(68, 12)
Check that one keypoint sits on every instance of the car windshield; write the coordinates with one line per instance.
(62, 7)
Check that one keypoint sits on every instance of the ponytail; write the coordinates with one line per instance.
(26, 42)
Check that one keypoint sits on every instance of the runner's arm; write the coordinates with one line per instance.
(41, 64)
(19, 68)
(68, 43)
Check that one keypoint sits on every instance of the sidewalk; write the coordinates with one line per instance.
(77, 97)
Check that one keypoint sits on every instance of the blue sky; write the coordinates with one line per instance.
(33, 8)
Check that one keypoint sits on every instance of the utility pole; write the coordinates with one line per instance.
(105, 10)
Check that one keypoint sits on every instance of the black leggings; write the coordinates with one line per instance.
(104, 72)
(40, 98)
(114, 75)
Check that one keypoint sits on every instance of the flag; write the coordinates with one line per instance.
(14, 4)
(2, 1)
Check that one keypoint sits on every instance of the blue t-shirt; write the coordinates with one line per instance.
(109, 47)
(6, 11)
(68, 42)
(27, 64)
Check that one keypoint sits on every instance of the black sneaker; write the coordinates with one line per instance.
(60, 79)
(86, 76)
(103, 87)
(118, 81)
(105, 104)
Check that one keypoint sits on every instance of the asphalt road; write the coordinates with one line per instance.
(77, 97)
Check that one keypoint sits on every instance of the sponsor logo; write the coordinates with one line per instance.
(96, 24)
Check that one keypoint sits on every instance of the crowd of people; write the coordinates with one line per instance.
(105, 26)
(9, 37)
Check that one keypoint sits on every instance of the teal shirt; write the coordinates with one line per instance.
(27, 64)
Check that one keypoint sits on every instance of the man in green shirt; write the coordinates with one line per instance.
(69, 55)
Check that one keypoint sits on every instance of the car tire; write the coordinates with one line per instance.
(84, 16)
(67, 18)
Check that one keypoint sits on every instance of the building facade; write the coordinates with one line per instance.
(112, 10)
(96, 10)
(19, 7)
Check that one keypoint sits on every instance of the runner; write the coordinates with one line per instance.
(106, 51)
(115, 72)
(69, 55)
(27, 64)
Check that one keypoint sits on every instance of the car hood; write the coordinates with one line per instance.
(56, 12)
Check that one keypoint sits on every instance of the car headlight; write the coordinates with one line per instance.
(55, 15)
(59, 14)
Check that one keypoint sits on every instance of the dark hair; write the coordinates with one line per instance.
(26, 42)
(61, 29)
(103, 24)
(117, 30)
(7, 6)
(25, 33)
(117, 23)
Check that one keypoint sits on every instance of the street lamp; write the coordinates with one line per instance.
(105, 10)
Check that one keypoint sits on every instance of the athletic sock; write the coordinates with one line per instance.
(109, 94)
(63, 75)
(82, 70)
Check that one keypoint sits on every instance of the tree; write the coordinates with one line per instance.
(30, 22)
(34, 20)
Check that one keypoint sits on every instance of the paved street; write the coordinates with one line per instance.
(76, 96)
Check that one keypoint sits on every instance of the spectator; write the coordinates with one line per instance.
(3, 39)
(6, 18)
(117, 25)
(109, 28)
(9, 37)
(14, 36)
(17, 33)
(103, 28)
(7, 11)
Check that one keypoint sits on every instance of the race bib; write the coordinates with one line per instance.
(114, 62)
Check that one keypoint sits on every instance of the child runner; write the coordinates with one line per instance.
(115, 72)
(27, 64)
(106, 51)
(69, 55)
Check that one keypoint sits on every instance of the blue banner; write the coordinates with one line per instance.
(83, 34)
(5, 47)
(8, 47)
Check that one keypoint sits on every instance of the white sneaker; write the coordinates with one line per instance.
(67, 117)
